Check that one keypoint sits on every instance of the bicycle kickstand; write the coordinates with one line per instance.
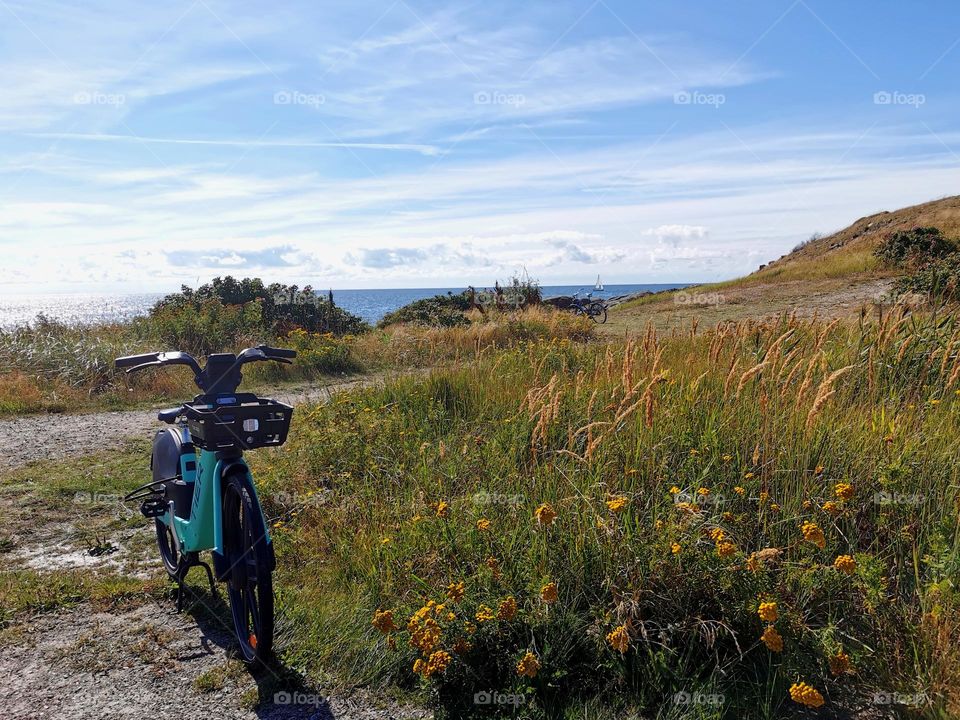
(181, 578)
(213, 586)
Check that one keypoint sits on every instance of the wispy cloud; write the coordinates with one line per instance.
(428, 150)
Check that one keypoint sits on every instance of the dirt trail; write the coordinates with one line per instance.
(142, 660)
(53, 437)
(152, 662)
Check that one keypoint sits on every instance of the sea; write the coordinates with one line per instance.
(371, 305)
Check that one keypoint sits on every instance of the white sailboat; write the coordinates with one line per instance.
(599, 286)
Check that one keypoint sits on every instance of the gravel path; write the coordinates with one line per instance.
(52, 437)
(147, 660)
(151, 662)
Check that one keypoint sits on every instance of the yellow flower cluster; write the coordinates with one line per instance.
(548, 593)
(483, 524)
(772, 639)
(717, 534)
(840, 663)
(528, 666)
(813, 534)
(545, 515)
(740, 491)
(843, 490)
(726, 549)
(484, 614)
(845, 564)
(619, 639)
(805, 694)
(768, 611)
(675, 548)
(831, 507)
(425, 632)
(442, 509)
(456, 591)
(437, 663)
(507, 609)
(617, 504)
(383, 621)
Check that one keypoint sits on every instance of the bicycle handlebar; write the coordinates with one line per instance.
(275, 352)
(218, 369)
(131, 360)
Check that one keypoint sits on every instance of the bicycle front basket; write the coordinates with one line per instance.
(251, 423)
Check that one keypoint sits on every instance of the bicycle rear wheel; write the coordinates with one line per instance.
(168, 548)
(250, 582)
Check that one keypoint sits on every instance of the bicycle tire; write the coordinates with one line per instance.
(250, 581)
(168, 548)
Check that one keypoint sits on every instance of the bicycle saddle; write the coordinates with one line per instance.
(169, 415)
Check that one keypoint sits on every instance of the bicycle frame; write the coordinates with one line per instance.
(203, 530)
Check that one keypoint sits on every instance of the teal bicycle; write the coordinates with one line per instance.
(206, 500)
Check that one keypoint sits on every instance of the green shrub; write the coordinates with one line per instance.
(450, 310)
(438, 311)
(281, 307)
(209, 326)
(914, 247)
(317, 353)
(940, 278)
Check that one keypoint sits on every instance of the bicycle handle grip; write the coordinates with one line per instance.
(131, 360)
(278, 352)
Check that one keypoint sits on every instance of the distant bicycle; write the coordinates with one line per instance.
(207, 501)
(596, 310)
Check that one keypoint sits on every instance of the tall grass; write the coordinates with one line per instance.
(664, 489)
(50, 366)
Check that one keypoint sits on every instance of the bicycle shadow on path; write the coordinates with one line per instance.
(284, 693)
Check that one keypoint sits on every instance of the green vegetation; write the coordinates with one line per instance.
(452, 310)
(939, 278)
(932, 260)
(226, 312)
(663, 490)
(439, 311)
(914, 247)
(50, 366)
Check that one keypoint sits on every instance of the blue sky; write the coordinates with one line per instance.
(405, 143)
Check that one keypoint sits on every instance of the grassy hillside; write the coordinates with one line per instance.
(832, 276)
(849, 252)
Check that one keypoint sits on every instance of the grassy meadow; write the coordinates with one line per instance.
(758, 520)
(754, 519)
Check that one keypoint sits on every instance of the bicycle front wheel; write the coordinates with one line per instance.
(250, 582)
